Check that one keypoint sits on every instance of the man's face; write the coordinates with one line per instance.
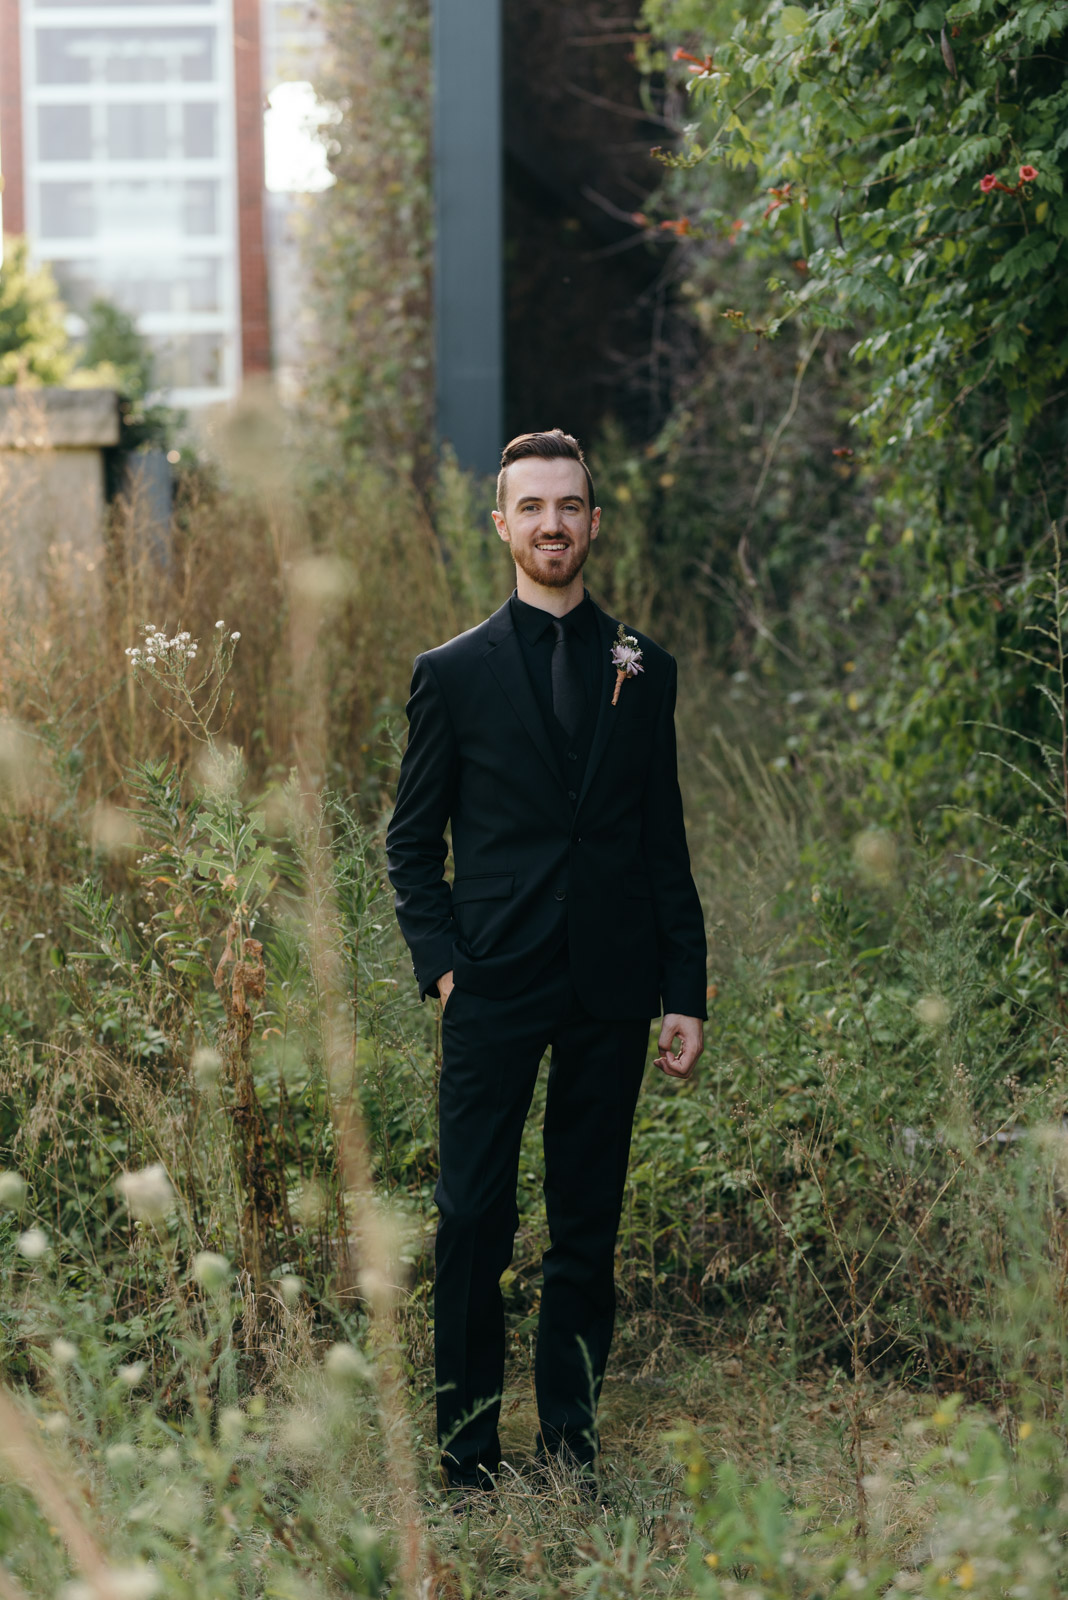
(548, 520)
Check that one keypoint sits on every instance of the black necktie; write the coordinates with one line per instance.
(569, 701)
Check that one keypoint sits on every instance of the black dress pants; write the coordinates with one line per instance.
(491, 1050)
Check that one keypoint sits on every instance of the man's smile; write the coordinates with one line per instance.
(551, 544)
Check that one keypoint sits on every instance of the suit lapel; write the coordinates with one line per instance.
(505, 660)
(607, 714)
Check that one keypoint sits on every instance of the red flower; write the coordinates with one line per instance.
(782, 198)
(639, 219)
(988, 184)
(702, 67)
(1028, 174)
(680, 226)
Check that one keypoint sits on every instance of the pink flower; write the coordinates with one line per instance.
(1028, 174)
(988, 184)
(625, 658)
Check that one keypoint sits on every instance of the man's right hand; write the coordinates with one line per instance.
(445, 987)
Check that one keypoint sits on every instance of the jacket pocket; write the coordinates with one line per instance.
(636, 886)
(490, 888)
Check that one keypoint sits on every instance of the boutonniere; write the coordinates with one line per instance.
(626, 658)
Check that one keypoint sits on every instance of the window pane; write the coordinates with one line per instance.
(126, 55)
(129, 209)
(198, 130)
(42, 5)
(137, 133)
(63, 133)
(67, 210)
(200, 207)
(139, 286)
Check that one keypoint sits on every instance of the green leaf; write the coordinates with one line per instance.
(791, 21)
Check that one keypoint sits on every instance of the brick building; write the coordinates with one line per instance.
(131, 148)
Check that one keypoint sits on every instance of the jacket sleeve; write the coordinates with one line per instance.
(415, 839)
(680, 924)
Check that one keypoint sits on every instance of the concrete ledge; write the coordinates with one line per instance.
(58, 419)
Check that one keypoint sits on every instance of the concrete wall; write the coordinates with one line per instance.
(52, 499)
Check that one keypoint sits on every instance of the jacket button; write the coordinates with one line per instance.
(561, 894)
(571, 795)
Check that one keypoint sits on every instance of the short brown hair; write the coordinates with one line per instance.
(554, 445)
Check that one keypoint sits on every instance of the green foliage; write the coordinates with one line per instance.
(112, 341)
(34, 347)
(996, 1507)
(371, 248)
(867, 131)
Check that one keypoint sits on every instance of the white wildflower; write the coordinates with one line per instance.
(147, 1193)
(131, 1583)
(289, 1287)
(63, 1352)
(344, 1365)
(121, 1457)
(151, 660)
(207, 1065)
(234, 637)
(875, 852)
(232, 1424)
(33, 1244)
(56, 1422)
(932, 1011)
(211, 1270)
(132, 1373)
(220, 623)
(12, 1190)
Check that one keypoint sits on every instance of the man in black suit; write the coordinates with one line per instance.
(571, 921)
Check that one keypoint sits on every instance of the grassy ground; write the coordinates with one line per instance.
(840, 1359)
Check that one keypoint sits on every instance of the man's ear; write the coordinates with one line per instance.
(595, 521)
(502, 526)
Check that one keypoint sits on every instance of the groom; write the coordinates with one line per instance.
(572, 919)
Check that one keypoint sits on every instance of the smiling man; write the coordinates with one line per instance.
(545, 737)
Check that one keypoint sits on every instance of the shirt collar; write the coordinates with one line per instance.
(533, 623)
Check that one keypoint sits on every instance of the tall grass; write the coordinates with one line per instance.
(842, 1261)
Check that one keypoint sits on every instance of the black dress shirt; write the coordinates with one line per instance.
(537, 637)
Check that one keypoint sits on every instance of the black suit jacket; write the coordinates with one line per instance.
(608, 870)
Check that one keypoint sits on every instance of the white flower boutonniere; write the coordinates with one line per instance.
(626, 658)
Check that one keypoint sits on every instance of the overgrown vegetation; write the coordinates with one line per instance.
(840, 1365)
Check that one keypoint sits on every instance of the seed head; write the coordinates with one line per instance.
(148, 1193)
(345, 1365)
(289, 1287)
(12, 1190)
(211, 1270)
(207, 1065)
(33, 1244)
